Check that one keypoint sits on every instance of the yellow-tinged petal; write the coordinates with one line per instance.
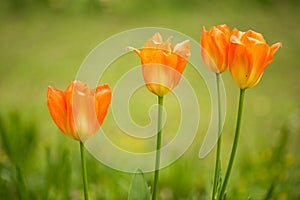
(258, 55)
(272, 51)
(239, 64)
(162, 64)
(138, 52)
(153, 56)
(254, 35)
(249, 55)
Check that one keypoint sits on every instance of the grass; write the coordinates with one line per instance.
(41, 47)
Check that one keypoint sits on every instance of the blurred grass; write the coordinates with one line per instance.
(44, 43)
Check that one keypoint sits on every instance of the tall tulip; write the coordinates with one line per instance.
(162, 67)
(214, 52)
(248, 56)
(79, 112)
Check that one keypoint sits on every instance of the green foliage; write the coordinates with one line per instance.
(139, 189)
(57, 175)
(18, 163)
(272, 171)
(279, 165)
(17, 137)
(18, 141)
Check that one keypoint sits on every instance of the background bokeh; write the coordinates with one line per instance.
(44, 42)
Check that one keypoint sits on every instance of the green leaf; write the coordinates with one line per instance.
(224, 196)
(139, 188)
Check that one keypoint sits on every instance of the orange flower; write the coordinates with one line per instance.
(79, 111)
(249, 55)
(215, 45)
(163, 64)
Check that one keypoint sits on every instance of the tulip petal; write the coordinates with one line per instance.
(69, 93)
(182, 50)
(152, 56)
(211, 50)
(220, 42)
(272, 51)
(258, 55)
(135, 51)
(84, 111)
(154, 42)
(254, 35)
(102, 101)
(238, 59)
(57, 107)
(215, 45)
(160, 79)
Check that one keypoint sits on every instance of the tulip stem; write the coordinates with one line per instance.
(158, 145)
(218, 170)
(84, 175)
(235, 142)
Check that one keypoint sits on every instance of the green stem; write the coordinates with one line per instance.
(158, 145)
(235, 142)
(84, 175)
(21, 183)
(218, 174)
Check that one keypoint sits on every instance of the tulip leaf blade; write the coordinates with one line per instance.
(139, 189)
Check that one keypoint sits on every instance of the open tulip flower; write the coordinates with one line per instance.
(163, 64)
(249, 55)
(79, 111)
(215, 45)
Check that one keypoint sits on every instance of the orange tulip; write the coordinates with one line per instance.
(249, 55)
(163, 64)
(215, 45)
(79, 111)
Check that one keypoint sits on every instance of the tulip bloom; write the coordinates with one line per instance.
(79, 111)
(163, 64)
(215, 45)
(249, 55)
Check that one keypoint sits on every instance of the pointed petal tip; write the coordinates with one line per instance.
(52, 90)
(275, 47)
(136, 51)
(157, 37)
(278, 44)
(183, 49)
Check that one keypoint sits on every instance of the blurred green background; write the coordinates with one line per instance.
(44, 42)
